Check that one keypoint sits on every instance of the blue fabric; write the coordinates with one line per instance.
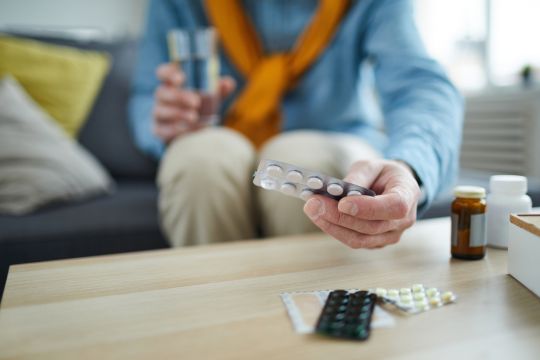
(422, 110)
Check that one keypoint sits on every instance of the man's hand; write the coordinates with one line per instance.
(176, 110)
(370, 222)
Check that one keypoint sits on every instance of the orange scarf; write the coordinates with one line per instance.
(256, 112)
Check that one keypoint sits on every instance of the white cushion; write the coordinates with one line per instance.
(39, 163)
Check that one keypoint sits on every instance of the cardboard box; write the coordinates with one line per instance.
(524, 250)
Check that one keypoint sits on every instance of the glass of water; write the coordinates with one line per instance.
(196, 53)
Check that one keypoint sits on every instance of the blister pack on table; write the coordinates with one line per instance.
(414, 299)
(347, 315)
(306, 308)
(302, 183)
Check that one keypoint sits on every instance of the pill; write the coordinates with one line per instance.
(288, 188)
(422, 306)
(354, 193)
(294, 176)
(419, 296)
(435, 301)
(380, 292)
(417, 288)
(448, 296)
(306, 194)
(420, 302)
(274, 170)
(335, 189)
(405, 291)
(315, 182)
(268, 184)
(432, 292)
(393, 292)
(406, 298)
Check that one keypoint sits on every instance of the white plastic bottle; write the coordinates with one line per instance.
(508, 194)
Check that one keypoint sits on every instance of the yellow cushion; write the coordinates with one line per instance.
(63, 80)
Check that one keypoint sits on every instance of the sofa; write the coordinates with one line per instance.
(126, 220)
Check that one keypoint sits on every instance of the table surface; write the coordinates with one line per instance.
(222, 301)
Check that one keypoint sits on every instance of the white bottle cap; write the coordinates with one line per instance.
(470, 192)
(508, 184)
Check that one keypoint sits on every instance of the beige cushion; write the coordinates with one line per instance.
(39, 163)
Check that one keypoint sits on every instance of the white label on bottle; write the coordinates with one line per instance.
(477, 233)
(478, 230)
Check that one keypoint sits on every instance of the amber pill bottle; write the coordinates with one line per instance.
(468, 239)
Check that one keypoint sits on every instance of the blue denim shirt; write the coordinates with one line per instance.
(421, 109)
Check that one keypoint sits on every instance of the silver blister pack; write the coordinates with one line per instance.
(415, 299)
(302, 183)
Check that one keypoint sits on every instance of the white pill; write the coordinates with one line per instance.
(422, 306)
(274, 170)
(393, 292)
(448, 296)
(335, 189)
(420, 301)
(354, 193)
(419, 296)
(405, 291)
(294, 176)
(268, 184)
(315, 183)
(432, 292)
(380, 292)
(417, 288)
(436, 301)
(406, 298)
(288, 188)
(306, 194)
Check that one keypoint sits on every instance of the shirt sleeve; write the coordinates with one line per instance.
(152, 52)
(423, 111)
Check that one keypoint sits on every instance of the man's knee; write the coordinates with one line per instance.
(201, 178)
(206, 156)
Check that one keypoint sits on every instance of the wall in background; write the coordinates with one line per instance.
(107, 19)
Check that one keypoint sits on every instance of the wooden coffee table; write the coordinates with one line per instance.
(223, 301)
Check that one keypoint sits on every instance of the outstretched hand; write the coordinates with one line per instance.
(364, 221)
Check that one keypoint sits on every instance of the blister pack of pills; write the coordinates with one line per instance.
(304, 309)
(302, 183)
(414, 299)
(347, 315)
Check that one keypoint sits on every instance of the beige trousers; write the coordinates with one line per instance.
(205, 185)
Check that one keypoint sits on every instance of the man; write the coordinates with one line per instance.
(300, 62)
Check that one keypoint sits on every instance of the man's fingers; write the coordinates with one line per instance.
(173, 114)
(226, 86)
(327, 209)
(389, 206)
(354, 239)
(174, 96)
(167, 132)
(169, 73)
